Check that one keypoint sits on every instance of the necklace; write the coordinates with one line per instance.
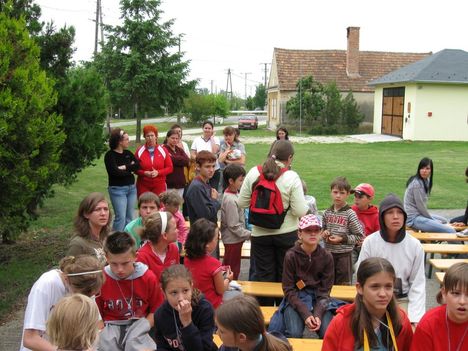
(448, 334)
(129, 302)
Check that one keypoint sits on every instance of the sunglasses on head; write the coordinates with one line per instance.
(359, 194)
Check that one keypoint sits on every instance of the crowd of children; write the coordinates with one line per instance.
(160, 284)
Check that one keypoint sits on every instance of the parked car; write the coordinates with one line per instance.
(247, 122)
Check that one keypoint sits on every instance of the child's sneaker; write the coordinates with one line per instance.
(463, 233)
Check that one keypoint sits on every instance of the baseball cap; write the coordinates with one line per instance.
(364, 188)
(309, 220)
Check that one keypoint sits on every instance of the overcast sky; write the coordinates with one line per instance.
(241, 34)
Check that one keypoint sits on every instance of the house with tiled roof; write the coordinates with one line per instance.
(351, 69)
(425, 100)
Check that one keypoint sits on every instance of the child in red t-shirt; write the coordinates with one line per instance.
(129, 297)
(159, 251)
(446, 327)
(210, 277)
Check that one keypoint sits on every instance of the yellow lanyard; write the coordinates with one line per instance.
(392, 334)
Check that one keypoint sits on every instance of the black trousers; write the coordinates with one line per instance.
(268, 253)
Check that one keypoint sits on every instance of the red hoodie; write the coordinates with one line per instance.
(340, 337)
(369, 219)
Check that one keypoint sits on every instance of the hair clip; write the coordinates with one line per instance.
(83, 273)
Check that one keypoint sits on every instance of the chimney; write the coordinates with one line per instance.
(352, 53)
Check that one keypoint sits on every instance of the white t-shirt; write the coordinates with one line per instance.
(199, 144)
(45, 293)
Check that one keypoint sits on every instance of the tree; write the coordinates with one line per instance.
(350, 114)
(83, 105)
(331, 112)
(249, 103)
(260, 96)
(309, 101)
(200, 107)
(140, 62)
(30, 135)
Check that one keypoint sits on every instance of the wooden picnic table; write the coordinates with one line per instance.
(440, 276)
(437, 236)
(442, 264)
(445, 249)
(297, 344)
(274, 289)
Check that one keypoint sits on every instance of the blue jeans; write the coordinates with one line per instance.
(434, 224)
(123, 200)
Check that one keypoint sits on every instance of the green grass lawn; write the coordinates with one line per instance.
(386, 165)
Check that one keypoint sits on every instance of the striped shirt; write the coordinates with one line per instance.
(344, 223)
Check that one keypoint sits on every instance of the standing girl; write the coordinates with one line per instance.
(374, 320)
(241, 326)
(92, 225)
(418, 189)
(160, 250)
(172, 201)
(185, 319)
(446, 327)
(209, 142)
(209, 276)
(72, 323)
(180, 160)
(120, 165)
(82, 275)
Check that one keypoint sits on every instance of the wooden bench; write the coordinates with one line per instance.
(274, 289)
(245, 253)
(440, 276)
(443, 249)
(458, 229)
(437, 237)
(442, 264)
(268, 312)
(297, 344)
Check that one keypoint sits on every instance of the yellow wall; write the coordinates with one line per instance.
(448, 104)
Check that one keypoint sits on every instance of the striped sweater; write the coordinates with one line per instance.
(344, 223)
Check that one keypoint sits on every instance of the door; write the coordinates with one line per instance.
(392, 111)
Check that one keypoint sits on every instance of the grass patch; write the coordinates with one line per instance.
(386, 165)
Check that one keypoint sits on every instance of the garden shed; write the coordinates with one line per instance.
(425, 100)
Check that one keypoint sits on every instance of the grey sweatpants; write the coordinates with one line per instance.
(129, 337)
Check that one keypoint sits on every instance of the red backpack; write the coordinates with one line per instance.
(266, 206)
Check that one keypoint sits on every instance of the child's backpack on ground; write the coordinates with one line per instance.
(266, 206)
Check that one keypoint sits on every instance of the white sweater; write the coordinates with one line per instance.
(407, 257)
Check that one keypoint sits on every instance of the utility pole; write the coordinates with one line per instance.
(101, 24)
(245, 84)
(229, 84)
(98, 6)
(212, 86)
(265, 74)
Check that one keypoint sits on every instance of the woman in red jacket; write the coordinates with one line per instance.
(155, 163)
(374, 320)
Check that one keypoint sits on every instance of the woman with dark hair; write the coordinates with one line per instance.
(461, 221)
(282, 134)
(120, 165)
(92, 225)
(155, 163)
(176, 180)
(418, 189)
(209, 142)
(270, 245)
(374, 321)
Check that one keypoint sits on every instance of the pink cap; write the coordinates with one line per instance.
(309, 220)
(364, 188)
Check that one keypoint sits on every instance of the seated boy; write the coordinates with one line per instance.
(307, 280)
(201, 198)
(148, 203)
(367, 213)
(233, 232)
(342, 231)
(129, 297)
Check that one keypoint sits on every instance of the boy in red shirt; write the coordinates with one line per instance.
(367, 213)
(129, 297)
